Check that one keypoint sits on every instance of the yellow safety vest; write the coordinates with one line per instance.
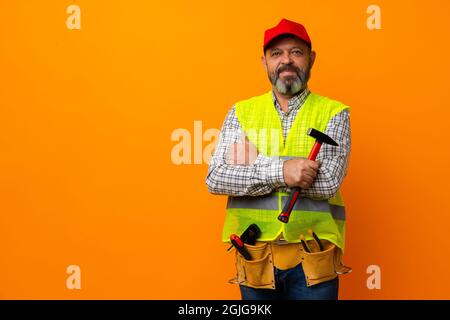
(261, 123)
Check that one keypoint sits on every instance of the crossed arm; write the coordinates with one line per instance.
(261, 174)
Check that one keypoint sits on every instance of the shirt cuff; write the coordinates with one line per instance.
(275, 176)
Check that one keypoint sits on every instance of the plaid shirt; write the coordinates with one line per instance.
(266, 173)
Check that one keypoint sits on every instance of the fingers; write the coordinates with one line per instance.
(241, 154)
(230, 157)
(300, 172)
(314, 165)
(310, 168)
(310, 174)
(242, 138)
(305, 185)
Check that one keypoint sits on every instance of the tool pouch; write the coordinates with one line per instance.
(257, 273)
(321, 266)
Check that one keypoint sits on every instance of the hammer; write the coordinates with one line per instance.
(295, 191)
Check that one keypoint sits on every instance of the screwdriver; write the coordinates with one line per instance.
(304, 244)
(250, 235)
(316, 238)
(239, 245)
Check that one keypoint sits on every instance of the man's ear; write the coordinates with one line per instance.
(312, 56)
(263, 62)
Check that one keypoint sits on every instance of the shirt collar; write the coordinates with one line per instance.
(294, 103)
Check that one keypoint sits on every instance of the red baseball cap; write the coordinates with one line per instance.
(286, 27)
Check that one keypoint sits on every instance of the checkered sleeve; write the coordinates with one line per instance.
(334, 159)
(260, 178)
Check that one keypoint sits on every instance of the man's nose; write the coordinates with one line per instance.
(286, 58)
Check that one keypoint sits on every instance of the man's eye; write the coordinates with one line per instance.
(297, 52)
(275, 53)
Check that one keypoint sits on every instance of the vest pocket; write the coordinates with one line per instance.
(319, 266)
(259, 272)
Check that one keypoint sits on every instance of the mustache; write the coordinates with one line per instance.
(288, 68)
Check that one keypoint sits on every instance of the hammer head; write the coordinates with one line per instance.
(321, 137)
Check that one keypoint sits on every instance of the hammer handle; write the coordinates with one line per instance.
(314, 151)
(286, 212)
(295, 192)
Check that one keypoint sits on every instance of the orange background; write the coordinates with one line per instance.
(86, 117)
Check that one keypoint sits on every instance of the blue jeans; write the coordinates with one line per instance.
(290, 284)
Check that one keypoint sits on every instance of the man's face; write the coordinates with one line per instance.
(288, 62)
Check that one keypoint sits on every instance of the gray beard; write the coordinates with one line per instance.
(291, 85)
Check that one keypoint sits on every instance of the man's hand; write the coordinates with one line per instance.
(241, 153)
(300, 172)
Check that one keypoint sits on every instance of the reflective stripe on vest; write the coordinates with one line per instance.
(270, 202)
